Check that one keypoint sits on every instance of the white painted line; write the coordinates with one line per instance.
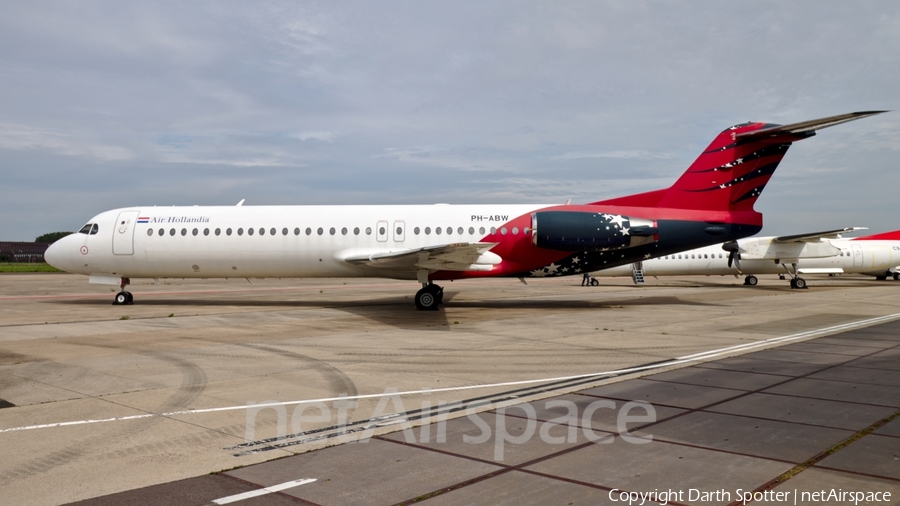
(263, 491)
(697, 357)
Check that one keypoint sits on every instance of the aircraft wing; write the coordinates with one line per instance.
(459, 256)
(815, 236)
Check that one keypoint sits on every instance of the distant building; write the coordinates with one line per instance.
(23, 251)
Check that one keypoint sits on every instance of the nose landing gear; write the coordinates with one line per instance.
(123, 297)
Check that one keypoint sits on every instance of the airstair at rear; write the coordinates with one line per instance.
(637, 273)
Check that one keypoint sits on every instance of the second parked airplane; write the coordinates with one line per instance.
(818, 253)
(710, 203)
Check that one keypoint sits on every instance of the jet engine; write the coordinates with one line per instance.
(576, 231)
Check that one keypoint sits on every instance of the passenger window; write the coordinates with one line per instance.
(218, 231)
(427, 230)
(149, 231)
(344, 231)
(86, 229)
(308, 231)
(503, 230)
(416, 231)
(240, 231)
(525, 230)
(205, 231)
(705, 255)
(493, 230)
(262, 231)
(227, 231)
(195, 232)
(481, 230)
(355, 230)
(331, 230)
(249, 231)
(471, 230)
(437, 230)
(183, 232)
(449, 230)
(320, 231)
(94, 229)
(399, 231)
(679, 256)
(162, 232)
(515, 230)
(368, 230)
(296, 230)
(381, 231)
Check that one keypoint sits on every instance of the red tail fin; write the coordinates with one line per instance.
(732, 172)
(886, 236)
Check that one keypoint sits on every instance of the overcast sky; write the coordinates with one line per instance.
(113, 104)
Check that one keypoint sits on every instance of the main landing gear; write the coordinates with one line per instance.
(751, 280)
(123, 297)
(428, 298)
(796, 281)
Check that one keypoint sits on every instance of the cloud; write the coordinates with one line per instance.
(423, 102)
(23, 137)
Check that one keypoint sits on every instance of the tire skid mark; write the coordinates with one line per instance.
(337, 380)
(193, 384)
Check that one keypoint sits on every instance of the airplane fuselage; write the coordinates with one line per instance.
(830, 256)
(316, 241)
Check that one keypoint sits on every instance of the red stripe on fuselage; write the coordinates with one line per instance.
(520, 255)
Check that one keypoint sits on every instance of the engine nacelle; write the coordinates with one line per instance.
(575, 231)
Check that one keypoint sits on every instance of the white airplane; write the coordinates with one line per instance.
(817, 253)
(710, 203)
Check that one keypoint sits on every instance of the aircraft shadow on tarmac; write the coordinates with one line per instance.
(399, 312)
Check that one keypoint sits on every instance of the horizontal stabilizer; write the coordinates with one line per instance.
(815, 236)
(805, 126)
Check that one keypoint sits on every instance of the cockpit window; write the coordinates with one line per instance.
(86, 229)
(94, 229)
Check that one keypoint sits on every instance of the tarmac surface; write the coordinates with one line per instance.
(549, 393)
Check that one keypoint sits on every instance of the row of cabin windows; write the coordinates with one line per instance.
(332, 231)
(698, 255)
(713, 255)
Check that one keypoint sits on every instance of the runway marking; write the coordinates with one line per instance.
(696, 357)
(263, 491)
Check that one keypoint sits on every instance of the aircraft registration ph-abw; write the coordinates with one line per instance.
(710, 203)
(815, 253)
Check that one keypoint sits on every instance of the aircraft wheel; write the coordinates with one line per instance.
(121, 298)
(427, 299)
(897, 276)
(130, 298)
(798, 283)
(881, 278)
(440, 295)
(594, 282)
(751, 280)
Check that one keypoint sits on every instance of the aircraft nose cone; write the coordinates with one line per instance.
(55, 254)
